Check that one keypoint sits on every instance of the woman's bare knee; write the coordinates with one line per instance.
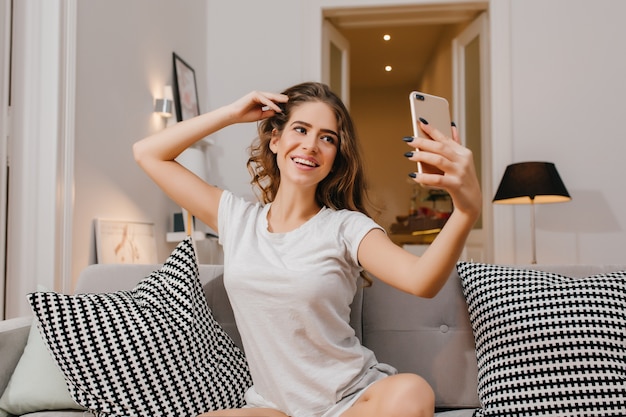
(414, 397)
(402, 395)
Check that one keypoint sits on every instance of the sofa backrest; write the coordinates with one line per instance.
(13, 336)
(430, 337)
(433, 337)
(101, 278)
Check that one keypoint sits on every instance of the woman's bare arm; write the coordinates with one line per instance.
(424, 276)
(156, 154)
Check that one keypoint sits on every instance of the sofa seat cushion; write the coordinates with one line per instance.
(152, 350)
(62, 413)
(547, 344)
(463, 412)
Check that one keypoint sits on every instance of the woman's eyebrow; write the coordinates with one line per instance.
(309, 125)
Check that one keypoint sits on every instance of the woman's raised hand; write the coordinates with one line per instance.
(257, 105)
(457, 163)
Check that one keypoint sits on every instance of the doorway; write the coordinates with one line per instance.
(416, 41)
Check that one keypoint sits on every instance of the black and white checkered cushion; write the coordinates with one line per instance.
(153, 351)
(547, 344)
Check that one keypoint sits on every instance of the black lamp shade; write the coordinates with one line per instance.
(531, 183)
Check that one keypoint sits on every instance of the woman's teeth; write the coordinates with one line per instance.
(304, 162)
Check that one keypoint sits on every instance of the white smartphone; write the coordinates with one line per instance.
(436, 111)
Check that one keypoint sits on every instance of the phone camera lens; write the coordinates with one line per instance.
(419, 97)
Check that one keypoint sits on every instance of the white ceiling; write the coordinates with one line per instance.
(415, 32)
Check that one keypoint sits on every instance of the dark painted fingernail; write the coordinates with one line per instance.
(453, 124)
(412, 174)
(423, 120)
(408, 154)
(408, 138)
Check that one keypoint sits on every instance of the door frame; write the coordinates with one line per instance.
(330, 35)
(478, 240)
(40, 202)
(5, 122)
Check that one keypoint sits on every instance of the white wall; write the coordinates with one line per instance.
(259, 49)
(563, 68)
(568, 107)
(124, 58)
(565, 49)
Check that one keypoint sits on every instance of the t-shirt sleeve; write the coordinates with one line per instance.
(226, 201)
(232, 215)
(231, 208)
(355, 226)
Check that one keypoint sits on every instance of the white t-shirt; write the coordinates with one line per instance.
(291, 295)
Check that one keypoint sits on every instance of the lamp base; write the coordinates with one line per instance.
(533, 261)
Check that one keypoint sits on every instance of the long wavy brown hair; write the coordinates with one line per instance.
(345, 186)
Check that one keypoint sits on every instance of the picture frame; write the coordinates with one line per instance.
(185, 90)
(125, 242)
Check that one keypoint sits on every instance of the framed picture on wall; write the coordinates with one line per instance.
(185, 90)
(125, 242)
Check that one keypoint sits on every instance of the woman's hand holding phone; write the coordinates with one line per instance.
(442, 161)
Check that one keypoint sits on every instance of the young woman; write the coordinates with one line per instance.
(292, 262)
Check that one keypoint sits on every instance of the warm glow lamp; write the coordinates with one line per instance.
(163, 107)
(531, 183)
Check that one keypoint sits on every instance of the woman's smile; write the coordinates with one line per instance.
(305, 161)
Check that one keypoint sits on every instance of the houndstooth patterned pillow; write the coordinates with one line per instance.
(547, 344)
(153, 351)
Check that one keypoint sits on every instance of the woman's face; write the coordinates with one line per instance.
(306, 149)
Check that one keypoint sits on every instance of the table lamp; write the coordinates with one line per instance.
(531, 183)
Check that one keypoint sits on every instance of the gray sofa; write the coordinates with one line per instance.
(430, 337)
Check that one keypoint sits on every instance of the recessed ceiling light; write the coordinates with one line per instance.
(388, 68)
(386, 37)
